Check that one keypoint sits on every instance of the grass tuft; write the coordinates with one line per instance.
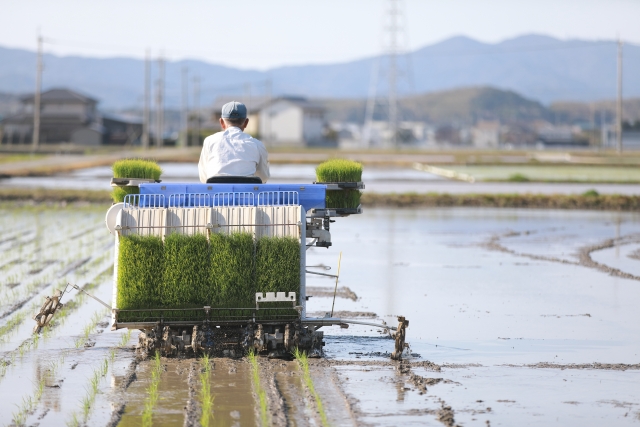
(136, 168)
(518, 177)
(261, 394)
(278, 264)
(205, 391)
(340, 170)
(140, 272)
(152, 392)
(188, 271)
(232, 270)
(187, 266)
(303, 362)
(133, 168)
(119, 193)
(349, 199)
(124, 339)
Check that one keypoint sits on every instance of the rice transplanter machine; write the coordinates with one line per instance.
(277, 323)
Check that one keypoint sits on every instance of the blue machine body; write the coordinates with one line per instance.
(310, 196)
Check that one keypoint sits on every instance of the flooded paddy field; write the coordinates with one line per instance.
(516, 318)
(379, 179)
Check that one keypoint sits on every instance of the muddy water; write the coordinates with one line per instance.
(172, 391)
(233, 400)
(528, 317)
(384, 179)
(503, 300)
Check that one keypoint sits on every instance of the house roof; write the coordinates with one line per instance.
(60, 95)
(301, 102)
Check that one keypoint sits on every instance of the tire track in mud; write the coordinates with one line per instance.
(193, 409)
(120, 400)
(324, 368)
(288, 385)
(288, 395)
(280, 412)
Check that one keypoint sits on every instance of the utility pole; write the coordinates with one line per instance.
(393, 69)
(147, 100)
(267, 116)
(35, 139)
(196, 110)
(184, 119)
(159, 104)
(619, 101)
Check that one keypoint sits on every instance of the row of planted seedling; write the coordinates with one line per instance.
(70, 306)
(192, 271)
(29, 402)
(24, 275)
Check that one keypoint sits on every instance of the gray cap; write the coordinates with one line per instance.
(234, 110)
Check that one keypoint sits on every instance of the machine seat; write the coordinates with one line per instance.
(227, 179)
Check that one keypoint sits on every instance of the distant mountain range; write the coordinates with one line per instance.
(541, 68)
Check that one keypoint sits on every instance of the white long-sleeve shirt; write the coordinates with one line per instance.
(233, 153)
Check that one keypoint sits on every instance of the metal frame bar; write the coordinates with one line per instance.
(190, 200)
(235, 198)
(274, 198)
(148, 201)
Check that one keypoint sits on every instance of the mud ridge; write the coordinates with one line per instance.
(192, 411)
(343, 397)
(494, 244)
(345, 314)
(584, 255)
(130, 376)
(116, 415)
(461, 365)
(599, 366)
(326, 292)
(430, 366)
(277, 409)
(310, 402)
(445, 415)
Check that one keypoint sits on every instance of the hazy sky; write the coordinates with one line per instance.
(268, 33)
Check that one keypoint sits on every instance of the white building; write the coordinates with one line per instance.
(293, 121)
(486, 134)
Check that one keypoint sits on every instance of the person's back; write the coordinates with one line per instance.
(233, 152)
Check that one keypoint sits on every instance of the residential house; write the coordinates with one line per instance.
(67, 116)
(282, 121)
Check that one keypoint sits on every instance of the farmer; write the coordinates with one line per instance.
(231, 154)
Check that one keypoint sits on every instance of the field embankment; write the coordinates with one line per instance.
(587, 201)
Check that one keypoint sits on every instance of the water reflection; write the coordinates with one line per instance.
(460, 294)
